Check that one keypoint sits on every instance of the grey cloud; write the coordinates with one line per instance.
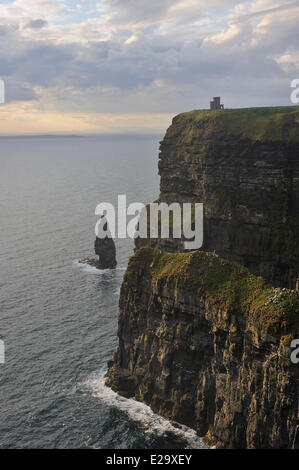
(36, 24)
(168, 72)
(16, 90)
(139, 9)
(134, 11)
(7, 29)
(287, 6)
(43, 63)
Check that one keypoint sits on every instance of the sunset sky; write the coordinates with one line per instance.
(87, 66)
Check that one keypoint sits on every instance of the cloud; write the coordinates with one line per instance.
(268, 11)
(142, 57)
(35, 7)
(36, 24)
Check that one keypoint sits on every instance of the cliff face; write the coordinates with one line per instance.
(243, 166)
(202, 338)
(206, 343)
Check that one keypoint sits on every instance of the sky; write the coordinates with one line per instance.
(117, 66)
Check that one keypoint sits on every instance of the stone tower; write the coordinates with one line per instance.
(215, 104)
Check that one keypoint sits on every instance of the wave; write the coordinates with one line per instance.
(87, 268)
(137, 411)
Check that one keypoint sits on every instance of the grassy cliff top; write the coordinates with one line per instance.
(257, 124)
(227, 285)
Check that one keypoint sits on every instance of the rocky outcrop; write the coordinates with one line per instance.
(105, 249)
(243, 166)
(207, 344)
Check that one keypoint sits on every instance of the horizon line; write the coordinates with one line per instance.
(91, 134)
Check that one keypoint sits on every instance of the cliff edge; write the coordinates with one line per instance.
(204, 336)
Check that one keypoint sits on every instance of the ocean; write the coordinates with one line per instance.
(59, 317)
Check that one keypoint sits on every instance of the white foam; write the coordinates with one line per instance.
(137, 411)
(87, 268)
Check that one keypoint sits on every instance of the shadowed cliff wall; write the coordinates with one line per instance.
(243, 165)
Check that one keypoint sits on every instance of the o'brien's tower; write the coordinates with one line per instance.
(215, 104)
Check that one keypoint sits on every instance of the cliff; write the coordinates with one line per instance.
(207, 344)
(203, 338)
(243, 166)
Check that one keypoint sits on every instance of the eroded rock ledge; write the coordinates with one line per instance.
(206, 343)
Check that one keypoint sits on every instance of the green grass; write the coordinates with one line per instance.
(257, 124)
(228, 286)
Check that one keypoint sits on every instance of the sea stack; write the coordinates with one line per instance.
(104, 245)
(105, 249)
